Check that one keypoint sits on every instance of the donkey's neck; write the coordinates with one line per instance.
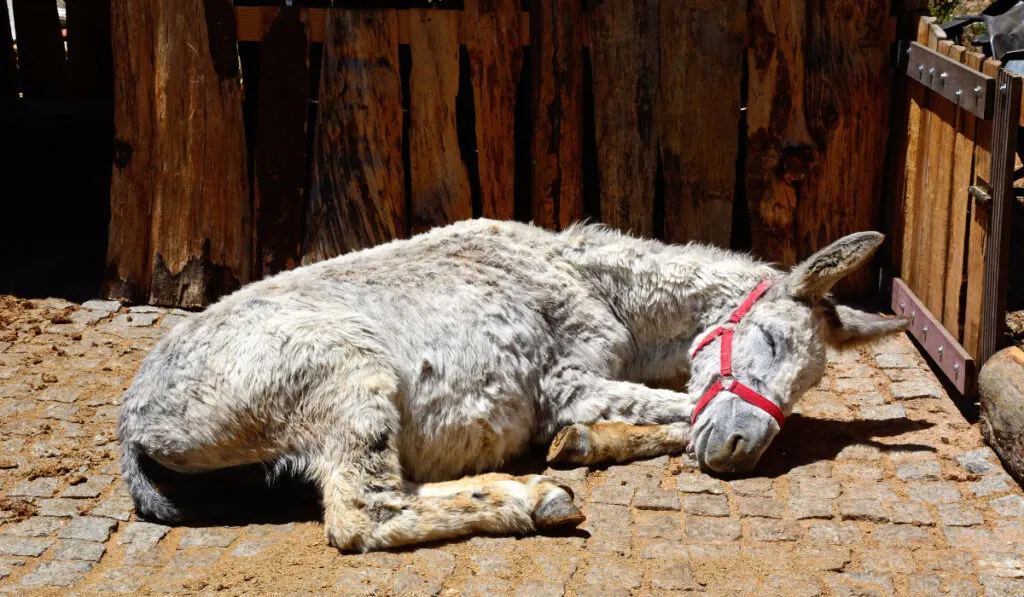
(667, 295)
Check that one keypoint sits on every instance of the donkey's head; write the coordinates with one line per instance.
(751, 370)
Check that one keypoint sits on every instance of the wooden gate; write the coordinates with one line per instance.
(961, 117)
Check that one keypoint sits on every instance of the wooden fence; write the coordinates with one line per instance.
(245, 146)
(952, 204)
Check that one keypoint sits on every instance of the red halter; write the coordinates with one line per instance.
(735, 386)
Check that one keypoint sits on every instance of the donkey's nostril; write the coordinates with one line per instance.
(736, 444)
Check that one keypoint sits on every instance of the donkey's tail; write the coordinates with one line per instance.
(149, 503)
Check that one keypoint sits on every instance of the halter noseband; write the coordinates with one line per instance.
(726, 332)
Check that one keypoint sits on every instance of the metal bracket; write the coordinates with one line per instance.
(982, 194)
(944, 350)
(967, 88)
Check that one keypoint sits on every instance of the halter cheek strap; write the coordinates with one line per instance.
(725, 369)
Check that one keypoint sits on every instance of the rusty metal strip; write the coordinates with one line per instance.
(938, 343)
(969, 89)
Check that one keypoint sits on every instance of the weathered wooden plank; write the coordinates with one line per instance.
(279, 156)
(132, 181)
(357, 193)
(963, 163)
(702, 48)
(557, 108)
(977, 239)
(440, 184)
(910, 212)
(818, 119)
(938, 174)
(8, 68)
(624, 52)
(201, 240)
(495, 58)
(997, 254)
(40, 48)
(90, 61)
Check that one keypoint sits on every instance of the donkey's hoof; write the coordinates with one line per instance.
(556, 509)
(571, 445)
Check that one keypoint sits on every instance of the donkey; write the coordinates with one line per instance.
(387, 375)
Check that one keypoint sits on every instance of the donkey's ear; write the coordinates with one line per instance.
(815, 277)
(850, 325)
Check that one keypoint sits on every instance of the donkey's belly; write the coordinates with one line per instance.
(448, 439)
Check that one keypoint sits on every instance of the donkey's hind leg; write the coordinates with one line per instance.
(613, 441)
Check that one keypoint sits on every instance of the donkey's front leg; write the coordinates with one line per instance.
(614, 441)
(601, 420)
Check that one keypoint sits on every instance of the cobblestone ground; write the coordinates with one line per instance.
(877, 487)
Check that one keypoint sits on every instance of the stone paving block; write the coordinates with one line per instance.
(889, 561)
(809, 507)
(673, 576)
(844, 386)
(634, 477)
(612, 572)
(822, 558)
(910, 513)
(814, 487)
(870, 509)
(990, 485)
(42, 487)
(760, 507)
(23, 546)
(908, 390)
(888, 412)
(56, 574)
(863, 472)
(602, 591)
(88, 528)
(971, 538)
(1010, 531)
(712, 529)
(63, 394)
(706, 505)
(61, 507)
(960, 515)
(101, 305)
(754, 487)
(864, 399)
(552, 566)
(919, 470)
(663, 526)
(186, 559)
(820, 468)
(491, 564)
(978, 462)
(73, 549)
(121, 580)
(762, 529)
(538, 588)
(996, 586)
(248, 548)
(945, 560)
(37, 526)
(793, 585)
(1009, 505)
(131, 320)
(364, 581)
(846, 533)
(897, 361)
(935, 492)
(860, 584)
(93, 486)
(852, 370)
(664, 550)
(88, 317)
(924, 585)
(648, 498)
(1009, 565)
(901, 535)
(207, 538)
(613, 494)
(698, 483)
(116, 507)
(960, 588)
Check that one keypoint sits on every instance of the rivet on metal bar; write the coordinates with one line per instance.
(939, 350)
(912, 314)
(903, 308)
(956, 370)
(924, 331)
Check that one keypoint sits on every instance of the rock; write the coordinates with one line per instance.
(98, 305)
(1001, 389)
